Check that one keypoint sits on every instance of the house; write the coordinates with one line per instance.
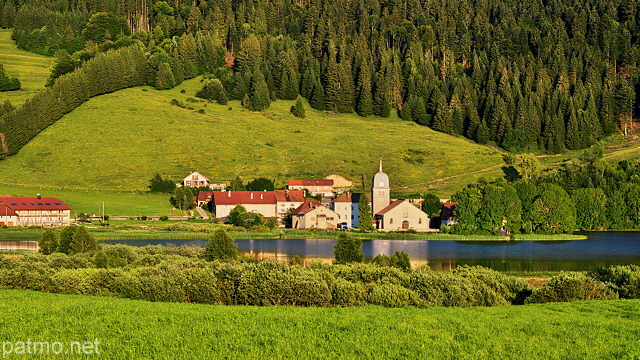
(446, 214)
(268, 203)
(34, 211)
(195, 179)
(312, 215)
(8, 217)
(288, 200)
(322, 187)
(346, 206)
(396, 215)
(203, 198)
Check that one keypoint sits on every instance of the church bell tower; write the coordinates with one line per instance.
(380, 192)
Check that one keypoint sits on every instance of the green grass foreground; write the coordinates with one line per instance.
(129, 329)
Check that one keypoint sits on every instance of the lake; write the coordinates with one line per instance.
(600, 249)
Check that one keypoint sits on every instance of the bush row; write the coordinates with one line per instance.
(180, 274)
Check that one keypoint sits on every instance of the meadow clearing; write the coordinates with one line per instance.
(31, 69)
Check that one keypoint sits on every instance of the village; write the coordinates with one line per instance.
(335, 208)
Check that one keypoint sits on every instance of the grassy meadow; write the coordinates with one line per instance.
(117, 142)
(129, 329)
(31, 69)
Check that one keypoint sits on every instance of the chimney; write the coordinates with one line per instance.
(251, 196)
(229, 193)
(39, 196)
(261, 196)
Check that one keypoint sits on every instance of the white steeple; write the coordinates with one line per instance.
(380, 192)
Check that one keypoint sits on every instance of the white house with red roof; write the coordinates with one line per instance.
(268, 203)
(323, 187)
(313, 215)
(33, 211)
(195, 179)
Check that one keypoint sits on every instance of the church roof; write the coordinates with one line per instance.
(390, 207)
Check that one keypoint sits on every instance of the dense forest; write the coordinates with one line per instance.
(588, 194)
(527, 74)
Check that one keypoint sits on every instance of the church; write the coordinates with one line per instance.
(394, 215)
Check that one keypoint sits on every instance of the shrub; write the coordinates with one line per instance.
(200, 286)
(221, 246)
(400, 259)
(392, 295)
(347, 250)
(381, 260)
(125, 252)
(511, 289)
(623, 279)
(260, 228)
(369, 273)
(571, 287)
(182, 226)
(452, 290)
(164, 218)
(346, 293)
(48, 243)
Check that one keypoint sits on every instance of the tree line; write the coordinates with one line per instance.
(587, 194)
(549, 75)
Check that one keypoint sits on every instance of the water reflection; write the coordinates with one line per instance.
(600, 249)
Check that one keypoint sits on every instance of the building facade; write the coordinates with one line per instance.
(322, 187)
(313, 215)
(195, 179)
(268, 203)
(34, 211)
(346, 206)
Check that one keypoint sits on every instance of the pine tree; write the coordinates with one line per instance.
(298, 109)
(164, 77)
(364, 214)
(317, 100)
(259, 98)
(365, 102)
(482, 135)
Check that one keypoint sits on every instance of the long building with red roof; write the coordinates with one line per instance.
(33, 211)
(268, 203)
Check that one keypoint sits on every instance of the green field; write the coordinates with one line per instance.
(31, 69)
(128, 329)
(113, 144)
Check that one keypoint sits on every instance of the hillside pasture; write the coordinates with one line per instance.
(31, 69)
(117, 141)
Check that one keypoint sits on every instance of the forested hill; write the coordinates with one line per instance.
(552, 74)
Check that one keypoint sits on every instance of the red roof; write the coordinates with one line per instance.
(289, 195)
(350, 198)
(33, 203)
(306, 207)
(205, 196)
(243, 197)
(447, 210)
(390, 207)
(311, 182)
(5, 211)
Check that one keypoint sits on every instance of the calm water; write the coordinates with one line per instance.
(600, 249)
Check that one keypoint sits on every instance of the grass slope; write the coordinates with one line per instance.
(118, 141)
(31, 69)
(129, 329)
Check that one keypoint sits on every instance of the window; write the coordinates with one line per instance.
(351, 217)
(419, 220)
(391, 221)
